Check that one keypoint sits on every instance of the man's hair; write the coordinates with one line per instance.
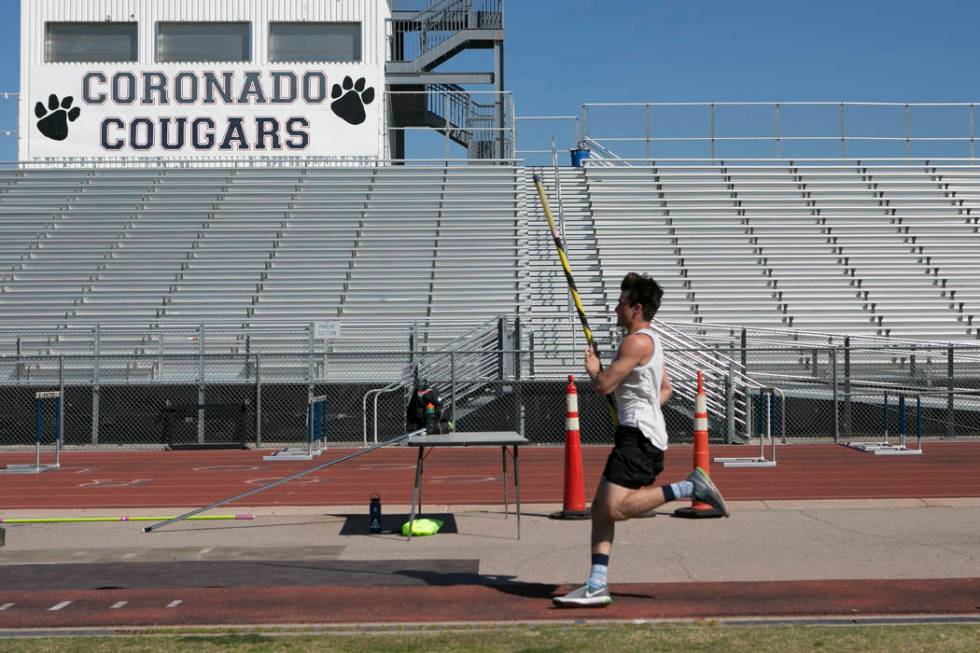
(641, 289)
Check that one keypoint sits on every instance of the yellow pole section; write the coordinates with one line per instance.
(610, 401)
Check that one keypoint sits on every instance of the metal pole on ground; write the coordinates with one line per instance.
(59, 418)
(37, 432)
(833, 376)
(309, 427)
(950, 412)
(95, 384)
(200, 387)
(918, 421)
(901, 421)
(396, 440)
(258, 399)
(884, 416)
(782, 419)
(730, 406)
(847, 388)
(452, 385)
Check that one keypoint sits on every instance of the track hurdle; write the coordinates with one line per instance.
(59, 422)
(767, 399)
(316, 433)
(886, 448)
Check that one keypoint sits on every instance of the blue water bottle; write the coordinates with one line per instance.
(374, 512)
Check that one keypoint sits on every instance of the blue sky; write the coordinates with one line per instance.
(561, 53)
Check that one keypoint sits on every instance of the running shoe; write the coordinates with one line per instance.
(706, 491)
(584, 597)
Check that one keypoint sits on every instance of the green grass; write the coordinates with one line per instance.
(612, 638)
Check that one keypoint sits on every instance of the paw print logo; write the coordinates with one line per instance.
(350, 99)
(53, 119)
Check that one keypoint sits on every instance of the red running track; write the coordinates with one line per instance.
(159, 479)
(483, 603)
(455, 476)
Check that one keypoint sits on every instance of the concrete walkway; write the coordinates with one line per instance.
(762, 541)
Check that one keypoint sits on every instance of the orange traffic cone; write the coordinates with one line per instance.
(573, 500)
(698, 510)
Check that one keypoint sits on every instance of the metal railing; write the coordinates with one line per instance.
(9, 114)
(541, 138)
(435, 23)
(252, 162)
(492, 337)
(757, 129)
(228, 339)
(263, 397)
(480, 121)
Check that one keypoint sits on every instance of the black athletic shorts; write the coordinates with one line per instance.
(634, 461)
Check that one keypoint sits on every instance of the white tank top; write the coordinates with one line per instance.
(638, 396)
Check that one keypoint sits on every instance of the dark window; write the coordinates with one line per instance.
(299, 42)
(177, 42)
(90, 42)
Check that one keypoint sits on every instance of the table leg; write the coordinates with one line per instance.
(416, 492)
(517, 483)
(421, 474)
(503, 459)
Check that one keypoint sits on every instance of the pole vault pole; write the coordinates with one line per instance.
(610, 401)
(269, 486)
(96, 520)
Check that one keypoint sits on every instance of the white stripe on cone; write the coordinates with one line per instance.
(700, 412)
(571, 410)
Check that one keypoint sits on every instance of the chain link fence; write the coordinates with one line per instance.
(832, 393)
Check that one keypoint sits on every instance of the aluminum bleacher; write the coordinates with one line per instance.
(845, 246)
(841, 247)
(245, 246)
(551, 317)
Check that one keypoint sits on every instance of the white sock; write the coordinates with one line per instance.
(599, 576)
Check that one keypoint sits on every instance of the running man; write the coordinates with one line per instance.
(641, 385)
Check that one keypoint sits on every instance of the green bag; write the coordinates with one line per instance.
(421, 527)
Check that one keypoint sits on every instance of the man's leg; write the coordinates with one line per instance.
(595, 592)
(607, 498)
(613, 503)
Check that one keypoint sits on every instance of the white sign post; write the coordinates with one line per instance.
(326, 330)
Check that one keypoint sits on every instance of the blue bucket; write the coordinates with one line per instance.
(579, 155)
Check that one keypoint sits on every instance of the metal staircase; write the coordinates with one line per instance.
(454, 112)
(422, 35)
(430, 33)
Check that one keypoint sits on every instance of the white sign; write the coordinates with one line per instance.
(326, 330)
(227, 111)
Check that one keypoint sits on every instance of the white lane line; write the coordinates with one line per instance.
(59, 606)
(129, 556)
(6, 606)
(174, 604)
(118, 604)
(206, 551)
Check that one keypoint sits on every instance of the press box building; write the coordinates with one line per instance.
(228, 79)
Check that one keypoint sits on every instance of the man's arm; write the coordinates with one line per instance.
(666, 388)
(634, 349)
